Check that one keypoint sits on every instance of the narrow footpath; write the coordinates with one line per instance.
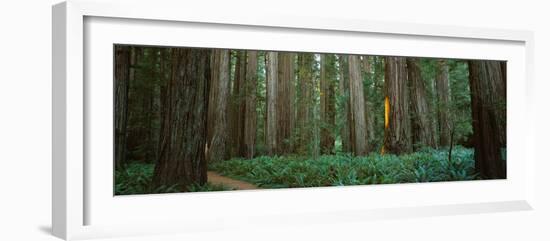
(218, 179)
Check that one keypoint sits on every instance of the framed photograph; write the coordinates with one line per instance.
(179, 121)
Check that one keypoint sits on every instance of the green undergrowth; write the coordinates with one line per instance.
(427, 165)
(137, 178)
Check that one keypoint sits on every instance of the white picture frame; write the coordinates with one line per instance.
(82, 208)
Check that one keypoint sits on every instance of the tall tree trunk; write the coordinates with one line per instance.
(272, 81)
(397, 132)
(327, 103)
(284, 102)
(443, 99)
(357, 101)
(122, 78)
(250, 112)
(238, 105)
(293, 101)
(422, 127)
(219, 149)
(182, 154)
(369, 117)
(166, 76)
(345, 108)
(213, 96)
(305, 101)
(488, 94)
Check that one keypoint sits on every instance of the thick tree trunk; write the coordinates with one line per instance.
(443, 99)
(272, 81)
(357, 98)
(327, 102)
(367, 71)
(397, 132)
(422, 127)
(305, 101)
(344, 93)
(212, 98)
(182, 153)
(238, 106)
(250, 112)
(284, 102)
(122, 78)
(219, 149)
(488, 94)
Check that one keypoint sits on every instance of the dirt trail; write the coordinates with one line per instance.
(218, 179)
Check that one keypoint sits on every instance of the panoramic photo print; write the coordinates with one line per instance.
(202, 119)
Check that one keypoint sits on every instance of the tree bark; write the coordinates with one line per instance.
(345, 108)
(369, 117)
(212, 98)
(122, 77)
(327, 97)
(397, 132)
(305, 101)
(250, 112)
(272, 81)
(284, 102)
(357, 107)
(219, 149)
(488, 95)
(443, 99)
(237, 112)
(182, 153)
(422, 127)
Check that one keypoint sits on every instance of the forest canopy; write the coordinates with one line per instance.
(199, 119)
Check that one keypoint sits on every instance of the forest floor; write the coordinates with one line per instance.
(217, 179)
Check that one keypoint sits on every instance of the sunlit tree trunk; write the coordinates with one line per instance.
(422, 125)
(443, 99)
(219, 149)
(182, 156)
(397, 129)
(345, 105)
(122, 79)
(272, 81)
(357, 106)
(488, 96)
(250, 107)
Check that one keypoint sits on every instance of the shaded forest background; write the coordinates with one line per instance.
(183, 111)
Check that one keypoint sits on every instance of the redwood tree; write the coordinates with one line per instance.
(327, 96)
(305, 101)
(219, 149)
(272, 81)
(343, 88)
(422, 127)
(488, 97)
(357, 104)
(443, 100)
(285, 107)
(397, 129)
(250, 106)
(182, 140)
(122, 78)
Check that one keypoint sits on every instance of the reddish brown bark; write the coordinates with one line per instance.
(397, 133)
(183, 138)
(488, 96)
